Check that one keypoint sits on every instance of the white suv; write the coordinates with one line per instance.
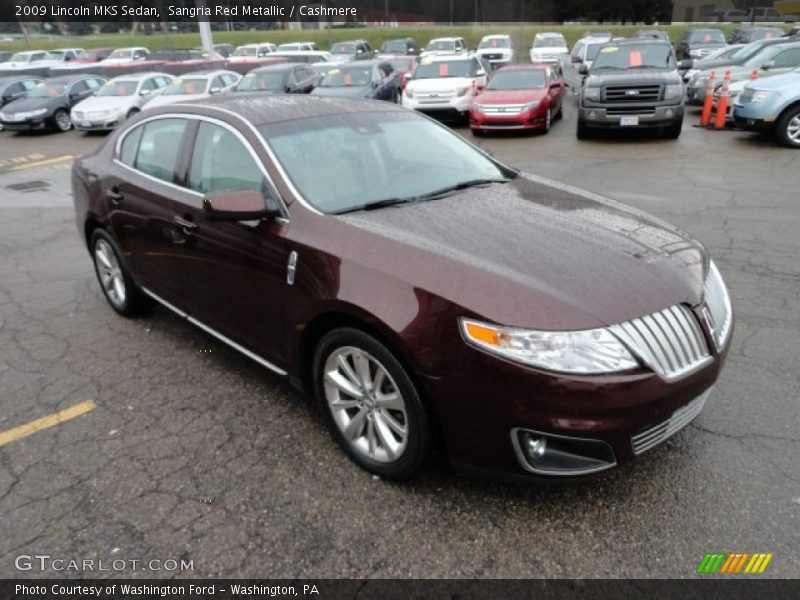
(548, 47)
(446, 85)
(445, 45)
(497, 49)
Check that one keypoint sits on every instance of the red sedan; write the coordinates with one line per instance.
(519, 97)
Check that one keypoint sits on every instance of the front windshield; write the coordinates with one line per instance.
(656, 56)
(441, 47)
(266, 80)
(57, 54)
(372, 157)
(120, 54)
(342, 48)
(20, 57)
(289, 47)
(83, 55)
(714, 36)
(747, 51)
(50, 90)
(765, 34)
(443, 68)
(549, 42)
(526, 79)
(495, 43)
(118, 88)
(347, 76)
(181, 87)
(246, 51)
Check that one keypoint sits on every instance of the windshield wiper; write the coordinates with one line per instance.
(459, 186)
(429, 196)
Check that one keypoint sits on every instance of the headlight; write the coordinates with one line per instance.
(588, 352)
(5, 117)
(673, 90)
(477, 107)
(463, 91)
(531, 105)
(591, 93)
(760, 96)
(409, 93)
(36, 113)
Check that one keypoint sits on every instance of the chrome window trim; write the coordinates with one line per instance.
(249, 354)
(268, 149)
(189, 116)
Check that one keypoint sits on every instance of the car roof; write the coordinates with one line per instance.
(142, 75)
(260, 109)
(67, 79)
(6, 79)
(445, 39)
(650, 41)
(496, 35)
(544, 34)
(283, 66)
(527, 67)
(205, 74)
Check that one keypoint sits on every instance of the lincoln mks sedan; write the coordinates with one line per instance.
(434, 301)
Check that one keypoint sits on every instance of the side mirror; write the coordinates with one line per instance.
(555, 84)
(583, 69)
(241, 205)
(575, 59)
(686, 64)
(215, 90)
(407, 76)
(144, 93)
(481, 73)
(767, 66)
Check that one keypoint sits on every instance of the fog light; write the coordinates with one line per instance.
(536, 446)
(551, 454)
(669, 112)
(592, 114)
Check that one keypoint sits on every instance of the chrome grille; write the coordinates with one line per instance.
(502, 109)
(718, 310)
(670, 341)
(652, 436)
(633, 93)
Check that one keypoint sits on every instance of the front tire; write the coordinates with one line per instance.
(132, 113)
(787, 129)
(371, 404)
(62, 121)
(673, 132)
(115, 281)
(582, 132)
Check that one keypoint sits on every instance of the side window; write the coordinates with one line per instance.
(162, 82)
(138, 54)
(78, 87)
(31, 83)
(788, 58)
(229, 79)
(94, 83)
(221, 162)
(149, 85)
(217, 83)
(130, 144)
(158, 148)
(13, 89)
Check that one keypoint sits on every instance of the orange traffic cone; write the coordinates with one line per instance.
(722, 105)
(705, 116)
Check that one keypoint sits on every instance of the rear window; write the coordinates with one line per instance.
(495, 43)
(449, 68)
(517, 80)
(714, 36)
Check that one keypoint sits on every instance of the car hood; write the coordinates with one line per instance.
(510, 96)
(633, 76)
(702, 65)
(29, 104)
(105, 102)
(790, 80)
(549, 51)
(706, 46)
(346, 91)
(531, 253)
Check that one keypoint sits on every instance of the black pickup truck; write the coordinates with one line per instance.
(633, 83)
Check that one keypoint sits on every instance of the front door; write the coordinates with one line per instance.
(233, 273)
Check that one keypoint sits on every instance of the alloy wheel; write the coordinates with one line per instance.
(63, 122)
(110, 273)
(793, 130)
(366, 404)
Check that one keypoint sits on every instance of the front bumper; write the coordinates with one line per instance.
(757, 117)
(529, 119)
(35, 124)
(456, 105)
(611, 117)
(486, 408)
(92, 125)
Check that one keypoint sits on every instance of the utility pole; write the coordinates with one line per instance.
(205, 29)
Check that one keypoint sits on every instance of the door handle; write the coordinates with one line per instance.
(187, 227)
(114, 195)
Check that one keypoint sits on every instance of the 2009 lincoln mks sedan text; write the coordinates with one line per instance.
(430, 296)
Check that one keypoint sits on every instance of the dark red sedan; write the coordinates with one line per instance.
(427, 295)
(519, 97)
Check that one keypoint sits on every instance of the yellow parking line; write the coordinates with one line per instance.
(40, 163)
(12, 435)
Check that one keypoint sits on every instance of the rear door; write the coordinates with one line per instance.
(140, 195)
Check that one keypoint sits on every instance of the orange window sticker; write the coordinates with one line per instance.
(443, 68)
(635, 58)
(347, 79)
(707, 37)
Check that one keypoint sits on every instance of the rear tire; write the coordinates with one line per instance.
(477, 132)
(116, 282)
(371, 404)
(787, 129)
(62, 121)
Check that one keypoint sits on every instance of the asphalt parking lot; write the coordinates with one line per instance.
(187, 450)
